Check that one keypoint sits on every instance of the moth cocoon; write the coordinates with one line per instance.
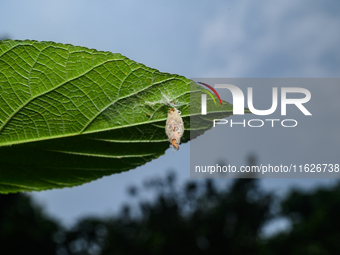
(174, 128)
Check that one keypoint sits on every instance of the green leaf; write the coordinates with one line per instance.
(74, 114)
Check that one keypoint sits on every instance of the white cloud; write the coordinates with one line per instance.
(289, 38)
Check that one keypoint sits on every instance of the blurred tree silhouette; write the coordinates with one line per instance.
(200, 219)
(23, 227)
(197, 219)
(315, 223)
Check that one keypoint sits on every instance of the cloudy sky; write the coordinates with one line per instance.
(205, 39)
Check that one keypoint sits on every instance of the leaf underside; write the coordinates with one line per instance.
(70, 114)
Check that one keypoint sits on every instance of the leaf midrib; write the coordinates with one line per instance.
(103, 130)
